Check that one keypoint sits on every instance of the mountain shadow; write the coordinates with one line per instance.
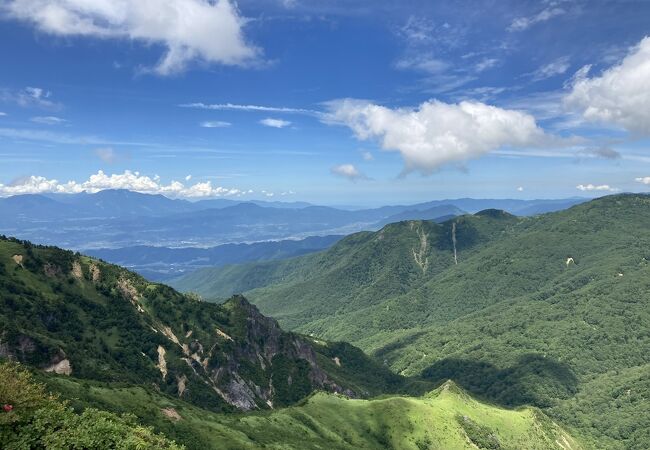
(532, 380)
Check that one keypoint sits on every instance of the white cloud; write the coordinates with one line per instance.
(367, 156)
(215, 124)
(48, 120)
(107, 154)
(485, 64)
(30, 97)
(520, 189)
(133, 181)
(2, 114)
(552, 69)
(620, 95)
(644, 180)
(249, 108)
(592, 187)
(522, 23)
(209, 31)
(437, 133)
(275, 123)
(422, 63)
(347, 171)
(188, 178)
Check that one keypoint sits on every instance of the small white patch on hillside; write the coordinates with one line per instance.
(162, 363)
(76, 270)
(223, 335)
(18, 259)
(63, 367)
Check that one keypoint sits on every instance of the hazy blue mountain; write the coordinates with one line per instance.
(120, 218)
(161, 263)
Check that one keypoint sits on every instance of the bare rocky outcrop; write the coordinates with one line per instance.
(420, 254)
(162, 362)
(95, 273)
(62, 367)
(77, 272)
(18, 259)
(171, 414)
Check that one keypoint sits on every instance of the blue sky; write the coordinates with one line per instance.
(355, 102)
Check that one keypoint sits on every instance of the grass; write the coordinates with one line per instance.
(446, 418)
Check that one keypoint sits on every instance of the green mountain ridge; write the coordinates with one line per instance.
(112, 343)
(517, 310)
(69, 314)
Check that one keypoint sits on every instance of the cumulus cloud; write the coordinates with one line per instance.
(644, 180)
(437, 133)
(275, 123)
(48, 120)
(215, 124)
(520, 189)
(133, 181)
(523, 23)
(594, 187)
(190, 30)
(348, 171)
(620, 95)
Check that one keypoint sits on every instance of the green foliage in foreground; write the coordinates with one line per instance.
(39, 420)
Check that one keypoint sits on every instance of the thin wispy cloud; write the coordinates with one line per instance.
(249, 108)
(599, 152)
(30, 97)
(552, 69)
(48, 120)
(275, 123)
(215, 124)
(523, 23)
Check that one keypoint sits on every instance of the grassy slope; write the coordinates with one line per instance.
(443, 419)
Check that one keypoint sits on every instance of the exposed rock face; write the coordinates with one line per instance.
(63, 367)
(227, 364)
(18, 259)
(77, 272)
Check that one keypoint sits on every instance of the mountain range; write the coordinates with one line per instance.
(119, 218)
(110, 342)
(550, 310)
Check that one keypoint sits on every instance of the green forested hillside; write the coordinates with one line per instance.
(110, 343)
(69, 314)
(552, 310)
